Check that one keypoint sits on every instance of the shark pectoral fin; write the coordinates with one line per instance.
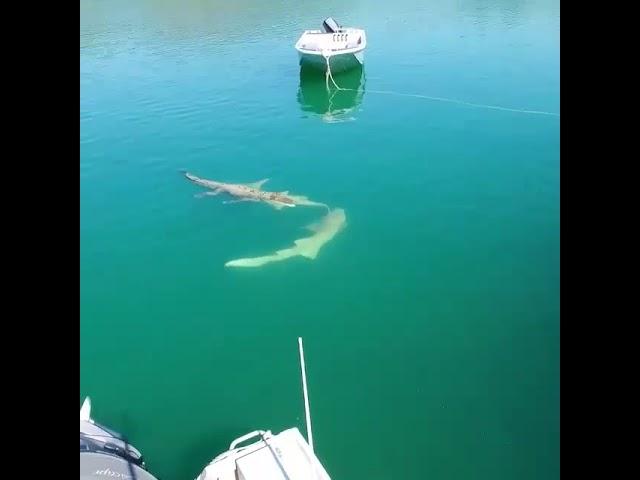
(276, 205)
(307, 247)
(217, 191)
(257, 185)
(314, 227)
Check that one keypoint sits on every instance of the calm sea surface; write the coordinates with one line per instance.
(431, 322)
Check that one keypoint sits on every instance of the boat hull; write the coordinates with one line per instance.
(339, 62)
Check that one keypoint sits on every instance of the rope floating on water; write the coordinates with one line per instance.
(468, 104)
(329, 75)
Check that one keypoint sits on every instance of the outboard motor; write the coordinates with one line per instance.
(331, 26)
(105, 453)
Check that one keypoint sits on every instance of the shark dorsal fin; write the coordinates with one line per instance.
(258, 185)
(286, 192)
(85, 410)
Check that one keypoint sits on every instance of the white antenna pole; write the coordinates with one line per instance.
(306, 395)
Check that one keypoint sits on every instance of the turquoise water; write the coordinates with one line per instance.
(431, 322)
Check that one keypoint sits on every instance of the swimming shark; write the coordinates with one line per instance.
(323, 231)
(252, 192)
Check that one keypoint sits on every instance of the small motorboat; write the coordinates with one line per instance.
(335, 47)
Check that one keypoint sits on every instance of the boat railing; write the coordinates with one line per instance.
(244, 438)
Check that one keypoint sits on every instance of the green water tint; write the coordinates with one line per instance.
(431, 323)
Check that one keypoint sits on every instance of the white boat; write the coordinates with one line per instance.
(284, 456)
(342, 47)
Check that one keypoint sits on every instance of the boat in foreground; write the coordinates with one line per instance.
(285, 456)
(105, 453)
(282, 456)
(341, 48)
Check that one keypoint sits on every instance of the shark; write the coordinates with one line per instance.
(252, 192)
(323, 231)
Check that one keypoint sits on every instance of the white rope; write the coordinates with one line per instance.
(462, 102)
(329, 75)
